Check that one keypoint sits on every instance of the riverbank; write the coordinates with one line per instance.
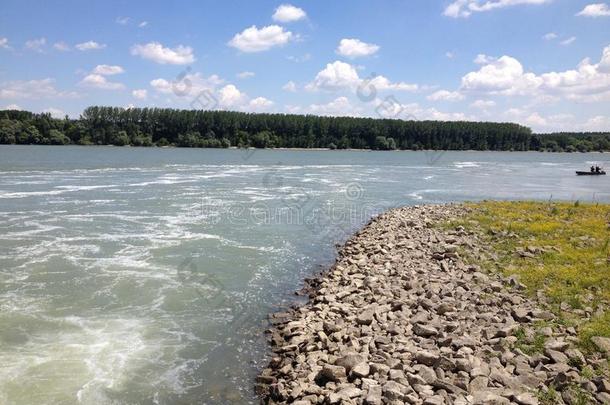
(412, 312)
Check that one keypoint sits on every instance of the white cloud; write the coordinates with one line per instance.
(108, 70)
(89, 46)
(288, 13)
(595, 10)
(340, 75)
(449, 55)
(290, 86)
(445, 95)
(61, 46)
(140, 94)
(483, 104)
(4, 43)
(589, 82)
(13, 107)
(392, 108)
(181, 55)
(230, 96)
(501, 76)
(482, 59)
(32, 89)
(568, 41)
(260, 104)
(55, 112)
(354, 48)
(98, 81)
(36, 44)
(191, 85)
(597, 123)
(336, 75)
(122, 20)
(143, 24)
(340, 106)
(465, 8)
(245, 75)
(257, 40)
(550, 36)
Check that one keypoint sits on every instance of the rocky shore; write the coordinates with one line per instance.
(401, 318)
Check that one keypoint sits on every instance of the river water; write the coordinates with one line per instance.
(144, 275)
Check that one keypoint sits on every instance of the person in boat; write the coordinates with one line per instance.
(592, 169)
(598, 169)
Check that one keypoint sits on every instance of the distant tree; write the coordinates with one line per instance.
(57, 137)
(119, 138)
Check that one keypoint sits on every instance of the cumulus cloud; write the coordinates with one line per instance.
(4, 43)
(340, 106)
(445, 95)
(89, 46)
(12, 107)
(595, 10)
(392, 108)
(108, 70)
(97, 81)
(340, 75)
(290, 86)
(288, 13)
(588, 82)
(230, 96)
(55, 112)
(354, 48)
(32, 89)
(254, 39)
(597, 123)
(260, 104)
(483, 104)
(140, 94)
(180, 55)
(465, 8)
(36, 45)
(245, 75)
(143, 24)
(191, 85)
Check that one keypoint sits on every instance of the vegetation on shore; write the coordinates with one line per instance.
(223, 129)
(560, 251)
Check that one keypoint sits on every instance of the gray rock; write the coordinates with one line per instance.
(426, 357)
(360, 370)
(526, 399)
(424, 330)
(366, 317)
(602, 343)
(349, 361)
(373, 396)
(333, 373)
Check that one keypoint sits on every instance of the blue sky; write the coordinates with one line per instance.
(542, 63)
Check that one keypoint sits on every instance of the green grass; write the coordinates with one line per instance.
(573, 267)
(529, 346)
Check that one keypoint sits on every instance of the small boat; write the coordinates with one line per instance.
(601, 173)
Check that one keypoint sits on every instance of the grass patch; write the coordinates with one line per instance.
(529, 346)
(562, 249)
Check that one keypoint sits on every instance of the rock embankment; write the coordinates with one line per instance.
(400, 318)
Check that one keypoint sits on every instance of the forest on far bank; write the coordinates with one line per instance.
(223, 129)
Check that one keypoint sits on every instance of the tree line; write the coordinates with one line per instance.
(223, 129)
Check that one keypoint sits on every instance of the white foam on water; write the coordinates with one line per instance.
(25, 194)
(463, 165)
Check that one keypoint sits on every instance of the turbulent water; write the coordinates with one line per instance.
(143, 276)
